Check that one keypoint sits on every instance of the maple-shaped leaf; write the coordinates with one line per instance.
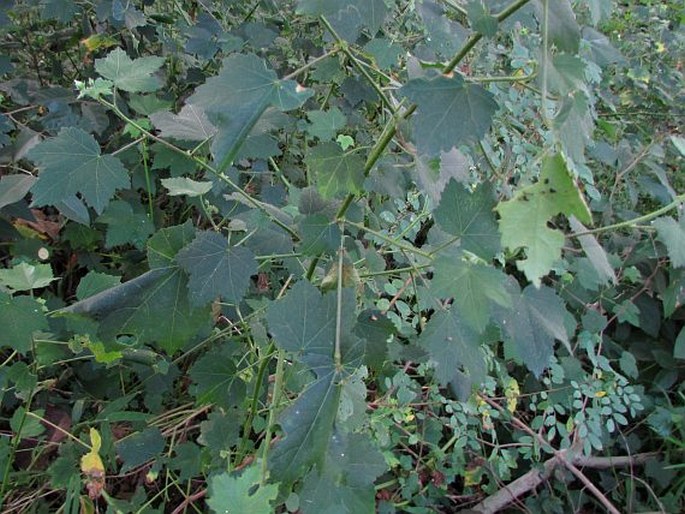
(216, 268)
(20, 317)
(432, 174)
(535, 321)
(470, 216)
(319, 235)
(132, 75)
(344, 482)
(190, 124)
(452, 347)
(72, 163)
(303, 322)
(237, 97)
(672, 234)
(231, 493)
(308, 426)
(154, 306)
(25, 276)
(216, 379)
(474, 287)
(347, 15)
(563, 28)
(450, 112)
(524, 218)
(336, 173)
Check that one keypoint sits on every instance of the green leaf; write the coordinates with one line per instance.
(303, 322)
(337, 173)
(679, 348)
(524, 218)
(216, 380)
(370, 13)
(20, 317)
(71, 163)
(325, 124)
(216, 268)
(308, 427)
(563, 27)
(319, 235)
(452, 347)
(190, 124)
(139, 448)
(235, 99)
(672, 234)
(126, 224)
(434, 173)
(474, 288)
(134, 76)
(153, 306)
(186, 186)
(25, 277)
(14, 187)
(344, 483)
(239, 494)
(94, 283)
(594, 252)
(470, 217)
(534, 322)
(385, 52)
(450, 112)
(480, 18)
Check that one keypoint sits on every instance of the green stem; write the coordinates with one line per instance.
(337, 355)
(545, 64)
(399, 244)
(342, 44)
(635, 221)
(201, 163)
(148, 184)
(247, 426)
(311, 63)
(477, 36)
(396, 271)
(275, 399)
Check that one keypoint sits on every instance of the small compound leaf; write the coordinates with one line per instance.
(450, 112)
(672, 234)
(453, 347)
(140, 448)
(230, 493)
(20, 317)
(190, 124)
(134, 76)
(524, 218)
(337, 173)
(308, 427)
(71, 163)
(216, 269)
(470, 216)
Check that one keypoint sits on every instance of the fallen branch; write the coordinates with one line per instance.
(570, 459)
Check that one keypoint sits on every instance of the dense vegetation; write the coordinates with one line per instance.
(322, 256)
